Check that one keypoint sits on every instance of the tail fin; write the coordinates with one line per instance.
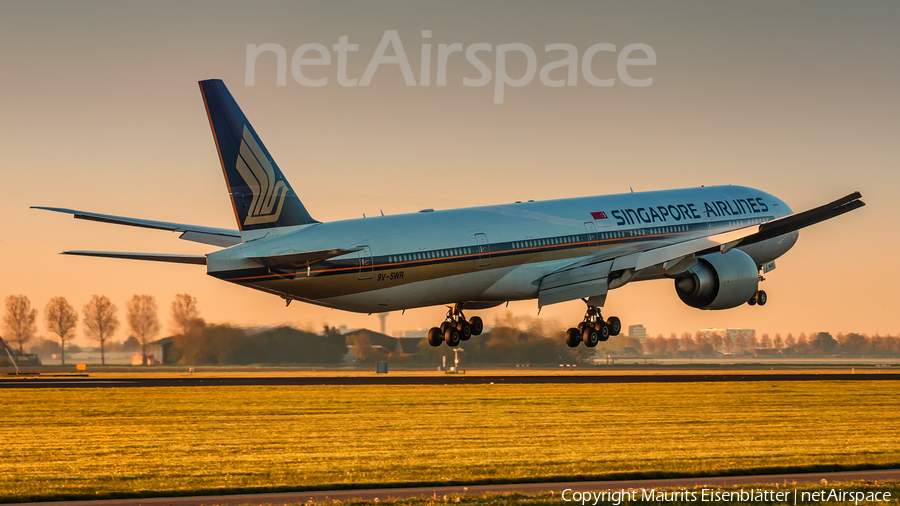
(261, 195)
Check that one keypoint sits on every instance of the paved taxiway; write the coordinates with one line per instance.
(439, 492)
(462, 379)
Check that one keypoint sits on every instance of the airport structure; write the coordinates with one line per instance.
(638, 332)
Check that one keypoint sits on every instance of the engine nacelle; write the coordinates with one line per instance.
(719, 281)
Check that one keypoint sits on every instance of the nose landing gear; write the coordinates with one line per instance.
(593, 329)
(759, 297)
(455, 328)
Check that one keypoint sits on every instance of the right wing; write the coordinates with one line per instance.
(590, 277)
(207, 235)
(725, 241)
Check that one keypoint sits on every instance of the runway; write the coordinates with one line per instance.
(440, 492)
(461, 379)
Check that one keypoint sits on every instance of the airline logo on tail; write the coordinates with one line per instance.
(257, 171)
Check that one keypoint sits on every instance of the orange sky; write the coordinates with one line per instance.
(101, 112)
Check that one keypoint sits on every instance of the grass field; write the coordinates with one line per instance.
(158, 441)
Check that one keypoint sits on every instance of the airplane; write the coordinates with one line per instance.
(714, 242)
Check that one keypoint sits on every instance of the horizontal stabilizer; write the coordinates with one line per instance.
(222, 237)
(298, 260)
(155, 257)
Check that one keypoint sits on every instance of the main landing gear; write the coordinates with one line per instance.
(455, 328)
(593, 329)
(759, 297)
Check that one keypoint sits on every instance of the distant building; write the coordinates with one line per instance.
(381, 343)
(412, 333)
(638, 332)
(732, 333)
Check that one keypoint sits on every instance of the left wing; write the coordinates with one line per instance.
(156, 257)
(590, 277)
(207, 235)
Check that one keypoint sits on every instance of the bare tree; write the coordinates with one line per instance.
(362, 346)
(718, 343)
(19, 320)
(778, 342)
(60, 318)
(143, 319)
(100, 321)
(184, 315)
(789, 341)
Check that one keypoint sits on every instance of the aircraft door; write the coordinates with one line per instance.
(592, 236)
(484, 250)
(365, 262)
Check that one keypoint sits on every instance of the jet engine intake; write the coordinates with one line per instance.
(719, 281)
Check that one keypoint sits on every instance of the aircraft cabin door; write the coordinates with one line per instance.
(365, 262)
(484, 250)
(592, 236)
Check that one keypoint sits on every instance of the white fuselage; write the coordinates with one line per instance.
(488, 255)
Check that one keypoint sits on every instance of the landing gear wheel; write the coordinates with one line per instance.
(477, 325)
(590, 336)
(581, 326)
(435, 337)
(465, 331)
(752, 300)
(573, 338)
(615, 325)
(602, 330)
(761, 298)
(451, 336)
(455, 324)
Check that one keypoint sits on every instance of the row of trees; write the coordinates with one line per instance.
(99, 318)
(204, 344)
(814, 344)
